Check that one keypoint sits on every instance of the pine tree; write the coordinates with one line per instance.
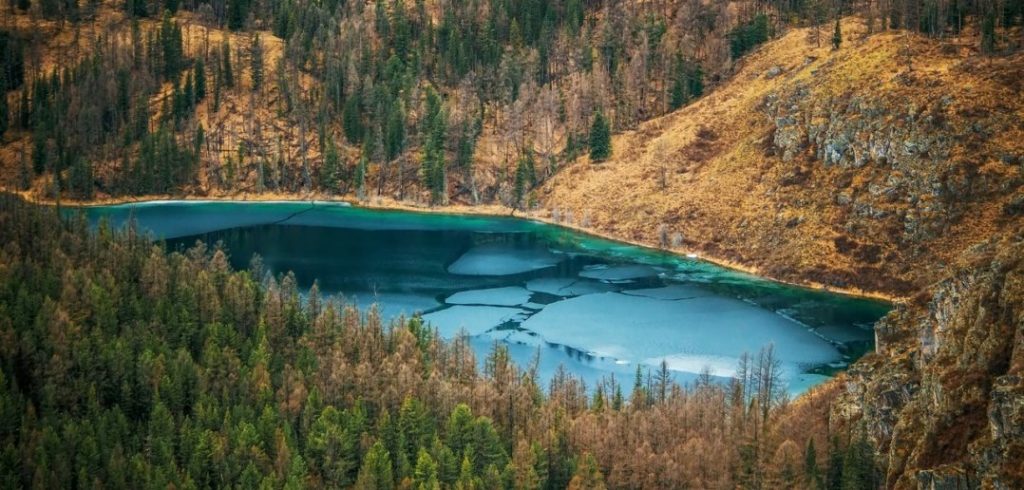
(329, 173)
(200, 75)
(256, 59)
(227, 74)
(434, 165)
(394, 139)
(238, 10)
(425, 475)
(5, 113)
(588, 476)
(525, 177)
(837, 36)
(812, 474)
(600, 139)
(376, 473)
(81, 184)
(170, 41)
(834, 478)
(352, 120)
(988, 32)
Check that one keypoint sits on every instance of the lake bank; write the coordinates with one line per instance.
(494, 210)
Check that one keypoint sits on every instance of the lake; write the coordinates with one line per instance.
(596, 306)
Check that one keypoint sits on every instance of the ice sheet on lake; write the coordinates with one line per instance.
(475, 320)
(618, 273)
(724, 366)
(393, 305)
(502, 260)
(506, 296)
(671, 292)
(608, 325)
(567, 286)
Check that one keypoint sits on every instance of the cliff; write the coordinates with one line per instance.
(943, 396)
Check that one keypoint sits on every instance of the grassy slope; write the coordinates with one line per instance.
(725, 191)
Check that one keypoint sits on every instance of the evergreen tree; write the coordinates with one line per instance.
(81, 179)
(834, 478)
(329, 173)
(600, 139)
(859, 465)
(837, 36)
(226, 72)
(171, 50)
(200, 75)
(394, 139)
(812, 474)
(5, 113)
(238, 11)
(525, 177)
(352, 120)
(256, 59)
(588, 476)
(375, 473)
(988, 32)
(434, 166)
(425, 476)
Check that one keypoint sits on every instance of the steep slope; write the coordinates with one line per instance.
(871, 167)
(943, 398)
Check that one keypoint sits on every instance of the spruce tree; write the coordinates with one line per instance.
(394, 139)
(600, 139)
(200, 75)
(988, 32)
(238, 10)
(256, 59)
(834, 478)
(525, 177)
(588, 476)
(227, 74)
(329, 173)
(352, 120)
(5, 113)
(812, 474)
(837, 36)
(375, 473)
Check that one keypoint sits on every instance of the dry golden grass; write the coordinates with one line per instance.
(723, 191)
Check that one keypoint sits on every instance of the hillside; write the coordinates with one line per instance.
(871, 167)
(892, 166)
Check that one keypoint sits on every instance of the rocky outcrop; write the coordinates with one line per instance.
(924, 161)
(943, 397)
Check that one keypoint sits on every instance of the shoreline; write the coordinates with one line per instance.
(491, 210)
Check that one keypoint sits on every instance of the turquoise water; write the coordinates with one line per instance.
(597, 306)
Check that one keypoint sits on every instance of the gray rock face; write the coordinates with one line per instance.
(943, 397)
(913, 152)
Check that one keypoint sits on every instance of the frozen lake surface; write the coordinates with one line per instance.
(595, 306)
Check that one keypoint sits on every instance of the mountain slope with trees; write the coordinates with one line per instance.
(872, 166)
